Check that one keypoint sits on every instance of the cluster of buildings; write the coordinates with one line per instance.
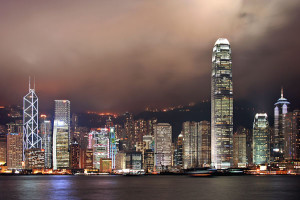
(40, 144)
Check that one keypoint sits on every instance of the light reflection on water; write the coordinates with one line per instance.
(148, 187)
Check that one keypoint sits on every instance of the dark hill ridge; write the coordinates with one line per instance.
(244, 113)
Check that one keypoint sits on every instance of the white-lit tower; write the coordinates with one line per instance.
(221, 105)
(31, 139)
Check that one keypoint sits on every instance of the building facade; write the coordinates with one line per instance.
(46, 135)
(30, 122)
(292, 136)
(14, 145)
(239, 150)
(280, 110)
(261, 139)
(162, 149)
(221, 105)
(61, 135)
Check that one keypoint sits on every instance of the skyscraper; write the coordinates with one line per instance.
(280, 110)
(30, 122)
(292, 136)
(221, 105)
(261, 139)
(239, 149)
(14, 145)
(61, 134)
(162, 149)
(46, 134)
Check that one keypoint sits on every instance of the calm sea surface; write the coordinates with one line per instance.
(149, 187)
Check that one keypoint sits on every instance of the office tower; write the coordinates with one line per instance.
(30, 122)
(3, 144)
(74, 155)
(292, 135)
(105, 165)
(162, 149)
(221, 105)
(112, 146)
(14, 145)
(178, 161)
(87, 158)
(261, 139)
(191, 146)
(239, 150)
(205, 144)
(129, 130)
(148, 142)
(148, 163)
(249, 143)
(140, 129)
(35, 158)
(134, 160)
(46, 135)
(280, 110)
(120, 161)
(61, 135)
(99, 143)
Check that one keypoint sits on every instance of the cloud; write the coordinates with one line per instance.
(126, 55)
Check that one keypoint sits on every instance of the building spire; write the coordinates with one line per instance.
(34, 83)
(281, 92)
(29, 84)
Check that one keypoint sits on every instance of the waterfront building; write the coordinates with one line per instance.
(178, 160)
(14, 145)
(30, 122)
(120, 161)
(221, 105)
(46, 135)
(3, 144)
(196, 144)
(148, 163)
(105, 165)
(239, 150)
(261, 139)
(74, 155)
(292, 136)
(61, 135)
(205, 144)
(134, 160)
(35, 158)
(99, 143)
(162, 149)
(280, 110)
(87, 155)
(191, 146)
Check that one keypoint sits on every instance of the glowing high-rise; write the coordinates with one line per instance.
(280, 110)
(221, 105)
(31, 138)
(261, 139)
(61, 135)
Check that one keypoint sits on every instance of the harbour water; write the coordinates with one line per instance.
(149, 187)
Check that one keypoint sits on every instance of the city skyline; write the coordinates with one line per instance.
(119, 56)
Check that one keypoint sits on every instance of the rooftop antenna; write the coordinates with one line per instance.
(281, 92)
(34, 83)
(29, 83)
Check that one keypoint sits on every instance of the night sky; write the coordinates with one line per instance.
(125, 55)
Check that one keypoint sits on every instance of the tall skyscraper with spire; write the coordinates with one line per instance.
(221, 105)
(31, 139)
(280, 110)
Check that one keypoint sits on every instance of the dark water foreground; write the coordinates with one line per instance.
(150, 187)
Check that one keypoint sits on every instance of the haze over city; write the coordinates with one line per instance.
(126, 55)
